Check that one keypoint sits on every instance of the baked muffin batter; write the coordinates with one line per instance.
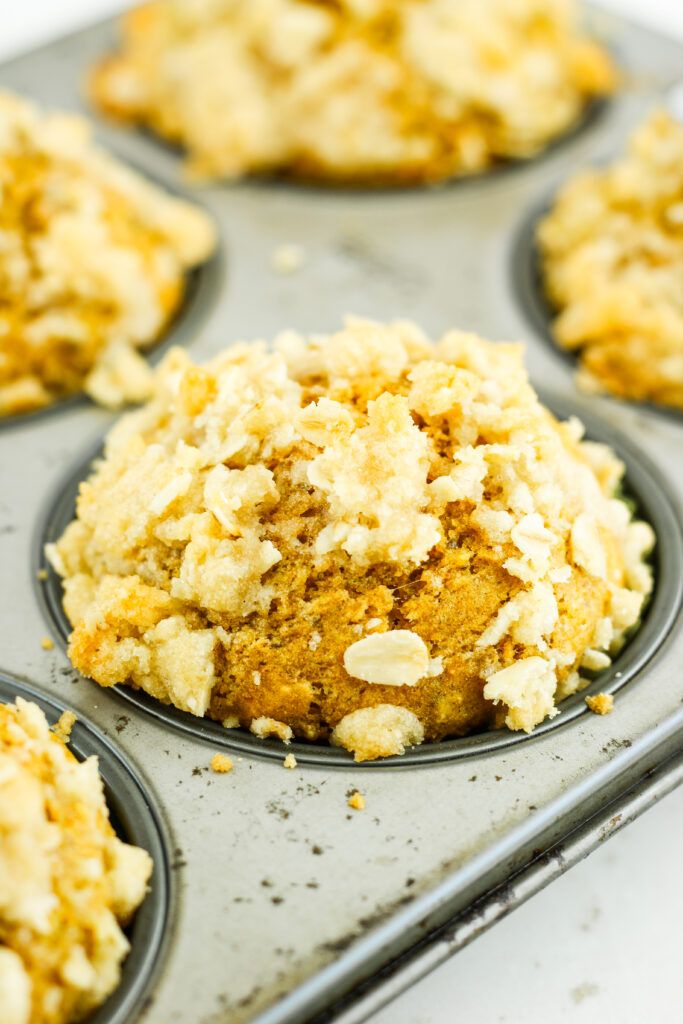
(93, 260)
(378, 91)
(67, 883)
(612, 254)
(366, 538)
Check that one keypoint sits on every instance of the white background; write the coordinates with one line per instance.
(603, 943)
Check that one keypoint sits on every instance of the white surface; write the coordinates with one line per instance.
(603, 942)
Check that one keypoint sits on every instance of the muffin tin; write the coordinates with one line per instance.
(137, 819)
(291, 906)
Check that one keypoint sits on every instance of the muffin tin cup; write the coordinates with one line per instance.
(526, 274)
(643, 484)
(136, 819)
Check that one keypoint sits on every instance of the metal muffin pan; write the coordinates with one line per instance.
(645, 488)
(136, 819)
(292, 907)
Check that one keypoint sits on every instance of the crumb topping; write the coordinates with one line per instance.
(290, 761)
(612, 251)
(364, 537)
(357, 801)
(221, 764)
(92, 262)
(67, 885)
(601, 704)
(384, 90)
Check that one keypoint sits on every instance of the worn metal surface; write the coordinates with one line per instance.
(287, 898)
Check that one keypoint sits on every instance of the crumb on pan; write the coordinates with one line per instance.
(221, 763)
(287, 259)
(357, 801)
(69, 884)
(612, 252)
(366, 538)
(42, 574)
(601, 704)
(384, 91)
(290, 761)
(93, 259)
(47, 643)
(64, 725)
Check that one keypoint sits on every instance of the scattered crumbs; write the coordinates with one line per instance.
(42, 574)
(288, 258)
(473, 778)
(311, 885)
(277, 899)
(221, 763)
(290, 761)
(64, 725)
(317, 850)
(196, 770)
(601, 704)
(47, 643)
(357, 801)
(409, 882)
(581, 992)
(498, 778)
(266, 883)
(532, 807)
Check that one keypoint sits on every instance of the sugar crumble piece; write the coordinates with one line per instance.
(63, 726)
(601, 703)
(221, 764)
(47, 643)
(290, 761)
(287, 259)
(264, 727)
(357, 801)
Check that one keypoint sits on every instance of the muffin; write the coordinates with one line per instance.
(67, 885)
(365, 91)
(93, 263)
(365, 538)
(612, 262)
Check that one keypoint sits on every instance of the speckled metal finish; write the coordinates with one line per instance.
(287, 899)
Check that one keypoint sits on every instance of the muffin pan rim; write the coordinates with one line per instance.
(658, 621)
(124, 788)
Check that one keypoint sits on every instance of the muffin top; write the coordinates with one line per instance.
(612, 259)
(378, 91)
(92, 262)
(364, 537)
(67, 885)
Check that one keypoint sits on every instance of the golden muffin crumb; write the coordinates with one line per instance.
(220, 763)
(601, 704)
(68, 884)
(612, 253)
(380, 91)
(47, 643)
(357, 801)
(290, 761)
(64, 725)
(365, 538)
(93, 261)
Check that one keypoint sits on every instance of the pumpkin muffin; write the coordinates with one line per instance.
(612, 261)
(365, 91)
(364, 537)
(93, 263)
(67, 884)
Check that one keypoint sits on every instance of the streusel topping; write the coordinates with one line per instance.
(612, 251)
(364, 90)
(93, 261)
(364, 533)
(67, 883)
